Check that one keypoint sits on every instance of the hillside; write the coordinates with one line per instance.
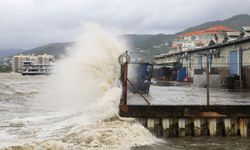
(56, 49)
(9, 52)
(135, 40)
(235, 22)
(149, 45)
(150, 41)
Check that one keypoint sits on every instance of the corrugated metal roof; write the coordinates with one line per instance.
(246, 28)
(233, 34)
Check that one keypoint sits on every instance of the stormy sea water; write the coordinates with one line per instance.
(77, 106)
(74, 108)
(26, 123)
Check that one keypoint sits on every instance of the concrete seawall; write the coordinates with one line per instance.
(181, 127)
(180, 121)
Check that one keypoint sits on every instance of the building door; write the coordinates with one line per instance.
(233, 64)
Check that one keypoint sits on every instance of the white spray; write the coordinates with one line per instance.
(84, 93)
(88, 76)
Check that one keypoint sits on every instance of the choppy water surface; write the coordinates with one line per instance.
(26, 124)
(203, 143)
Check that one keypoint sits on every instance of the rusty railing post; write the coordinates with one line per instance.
(124, 60)
(125, 83)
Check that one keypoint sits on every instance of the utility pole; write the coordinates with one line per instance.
(208, 80)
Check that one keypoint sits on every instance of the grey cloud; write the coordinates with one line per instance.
(30, 23)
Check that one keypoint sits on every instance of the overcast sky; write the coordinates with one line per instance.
(31, 23)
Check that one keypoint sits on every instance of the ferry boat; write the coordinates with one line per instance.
(28, 68)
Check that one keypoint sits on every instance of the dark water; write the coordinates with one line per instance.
(201, 143)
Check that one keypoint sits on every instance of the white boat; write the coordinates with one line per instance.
(28, 68)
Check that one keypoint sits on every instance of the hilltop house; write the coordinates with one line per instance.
(198, 39)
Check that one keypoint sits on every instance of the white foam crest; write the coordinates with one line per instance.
(119, 135)
(108, 135)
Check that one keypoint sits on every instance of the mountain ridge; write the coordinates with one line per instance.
(235, 22)
(9, 52)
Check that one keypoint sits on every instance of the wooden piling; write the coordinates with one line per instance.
(181, 127)
(197, 127)
(243, 127)
(150, 124)
(228, 127)
(212, 126)
(166, 127)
